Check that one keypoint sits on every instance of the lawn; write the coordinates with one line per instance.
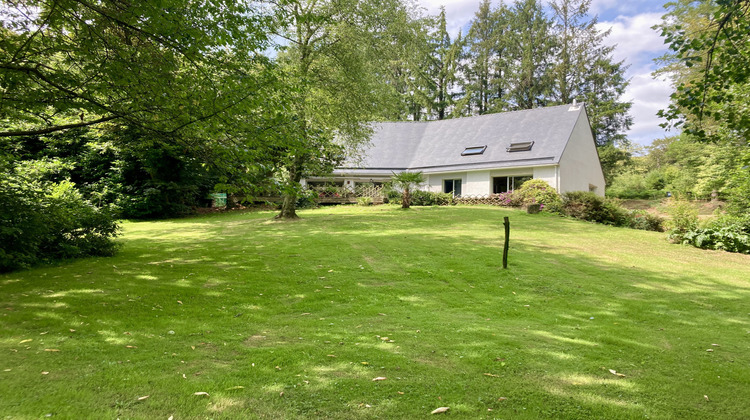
(295, 320)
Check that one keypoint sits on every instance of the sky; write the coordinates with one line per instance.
(636, 43)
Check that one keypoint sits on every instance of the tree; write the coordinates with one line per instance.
(333, 56)
(710, 52)
(444, 63)
(163, 67)
(405, 181)
(531, 47)
(584, 70)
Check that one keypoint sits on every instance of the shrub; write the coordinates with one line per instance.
(537, 191)
(429, 198)
(364, 201)
(727, 233)
(643, 220)
(589, 206)
(684, 218)
(510, 199)
(42, 221)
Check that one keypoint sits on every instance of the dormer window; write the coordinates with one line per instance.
(473, 150)
(520, 147)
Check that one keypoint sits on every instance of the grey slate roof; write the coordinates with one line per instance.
(436, 146)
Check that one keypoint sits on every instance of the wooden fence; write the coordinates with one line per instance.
(333, 194)
(491, 199)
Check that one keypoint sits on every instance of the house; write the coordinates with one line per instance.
(483, 155)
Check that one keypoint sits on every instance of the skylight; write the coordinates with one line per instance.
(520, 147)
(473, 150)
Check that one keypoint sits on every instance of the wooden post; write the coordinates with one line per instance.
(506, 223)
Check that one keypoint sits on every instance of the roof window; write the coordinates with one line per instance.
(520, 147)
(473, 150)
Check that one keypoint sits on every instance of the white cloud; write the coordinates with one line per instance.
(648, 95)
(636, 41)
(458, 13)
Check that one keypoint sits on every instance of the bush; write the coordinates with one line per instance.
(727, 233)
(41, 221)
(510, 199)
(537, 191)
(364, 201)
(429, 198)
(643, 220)
(684, 218)
(589, 206)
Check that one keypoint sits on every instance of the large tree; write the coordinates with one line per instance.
(165, 67)
(333, 54)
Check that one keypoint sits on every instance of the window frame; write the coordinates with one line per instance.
(474, 150)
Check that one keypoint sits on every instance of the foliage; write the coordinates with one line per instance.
(727, 233)
(588, 206)
(430, 198)
(406, 181)
(164, 66)
(364, 201)
(683, 219)
(537, 191)
(333, 70)
(42, 221)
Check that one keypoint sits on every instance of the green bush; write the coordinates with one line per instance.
(636, 186)
(727, 233)
(589, 206)
(683, 219)
(41, 221)
(429, 198)
(537, 191)
(643, 220)
(364, 201)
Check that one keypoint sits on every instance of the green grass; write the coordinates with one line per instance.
(289, 319)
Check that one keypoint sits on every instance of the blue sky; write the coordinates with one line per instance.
(637, 44)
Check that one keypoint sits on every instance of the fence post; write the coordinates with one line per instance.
(506, 223)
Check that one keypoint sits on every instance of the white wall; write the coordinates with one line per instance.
(579, 166)
(435, 181)
(549, 174)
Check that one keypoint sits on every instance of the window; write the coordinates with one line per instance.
(452, 186)
(501, 184)
(520, 147)
(474, 150)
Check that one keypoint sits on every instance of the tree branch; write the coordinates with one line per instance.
(56, 128)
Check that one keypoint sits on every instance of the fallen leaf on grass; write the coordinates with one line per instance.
(131, 347)
(183, 376)
(493, 375)
(381, 314)
(306, 313)
(45, 373)
(384, 338)
(614, 372)
(201, 393)
(235, 387)
(72, 330)
(379, 378)
(180, 302)
(51, 350)
(710, 350)
(706, 397)
(143, 397)
(331, 355)
(440, 410)
(26, 340)
(281, 394)
(502, 399)
(400, 393)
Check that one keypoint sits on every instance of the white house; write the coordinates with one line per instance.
(482, 155)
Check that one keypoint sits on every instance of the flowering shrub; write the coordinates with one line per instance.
(537, 191)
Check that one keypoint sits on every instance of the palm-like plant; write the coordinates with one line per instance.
(405, 181)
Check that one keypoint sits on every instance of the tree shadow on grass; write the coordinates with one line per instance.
(302, 310)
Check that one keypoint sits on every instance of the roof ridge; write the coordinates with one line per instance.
(517, 111)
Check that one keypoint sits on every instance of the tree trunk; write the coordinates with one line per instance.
(289, 202)
(405, 199)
